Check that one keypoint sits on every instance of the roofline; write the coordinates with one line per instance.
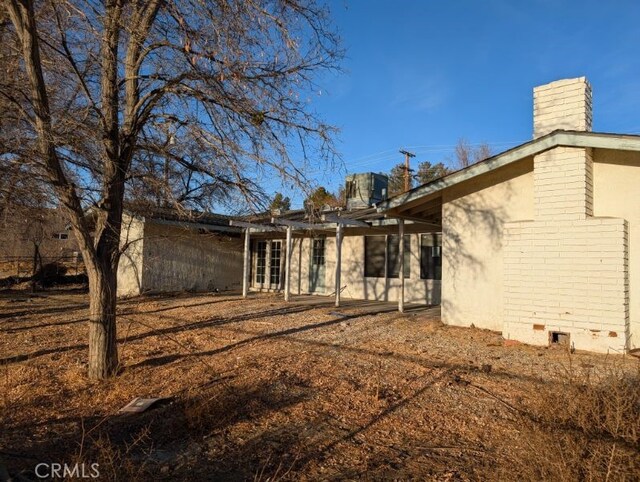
(193, 225)
(558, 138)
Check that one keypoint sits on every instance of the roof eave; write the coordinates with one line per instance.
(532, 148)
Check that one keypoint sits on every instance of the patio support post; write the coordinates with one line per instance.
(247, 260)
(338, 261)
(287, 265)
(401, 256)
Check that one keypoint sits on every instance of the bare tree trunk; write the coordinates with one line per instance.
(35, 267)
(103, 350)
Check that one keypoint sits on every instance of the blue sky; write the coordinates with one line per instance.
(422, 74)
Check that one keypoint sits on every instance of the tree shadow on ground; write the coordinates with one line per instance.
(124, 444)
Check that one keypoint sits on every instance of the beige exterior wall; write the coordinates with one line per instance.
(473, 218)
(617, 194)
(165, 258)
(130, 264)
(355, 284)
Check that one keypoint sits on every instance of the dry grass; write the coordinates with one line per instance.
(585, 427)
(263, 390)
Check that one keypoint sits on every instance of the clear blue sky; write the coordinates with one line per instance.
(422, 74)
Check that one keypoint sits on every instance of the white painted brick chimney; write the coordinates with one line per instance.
(566, 271)
(563, 104)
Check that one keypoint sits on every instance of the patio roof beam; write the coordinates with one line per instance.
(254, 226)
(413, 219)
(294, 224)
(344, 221)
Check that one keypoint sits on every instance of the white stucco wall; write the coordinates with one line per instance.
(473, 217)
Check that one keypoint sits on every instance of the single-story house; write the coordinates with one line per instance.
(537, 242)
(164, 250)
(541, 242)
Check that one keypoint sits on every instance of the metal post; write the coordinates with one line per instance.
(401, 255)
(247, 261)
(338, 261)
(287, 265)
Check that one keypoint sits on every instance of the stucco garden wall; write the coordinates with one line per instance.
(165, 258)
(130, 265)
(177, 259)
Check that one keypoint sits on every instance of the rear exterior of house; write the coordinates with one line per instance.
(540, 242)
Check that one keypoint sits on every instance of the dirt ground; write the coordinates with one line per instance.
(261, 389)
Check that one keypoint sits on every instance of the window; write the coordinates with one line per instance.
(431, 256)
(61, 236)
(317, 252)
(381, 256)
(274, 269)
(374, 256)
(261, 261)
(393, 258)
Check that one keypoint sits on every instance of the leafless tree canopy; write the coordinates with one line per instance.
(467, 154)
(185, 102)
(208, 98)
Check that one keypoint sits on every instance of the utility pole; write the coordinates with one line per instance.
(407, 169)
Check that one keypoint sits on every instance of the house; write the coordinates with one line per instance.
(164, 250)
(541, 242)
(537, 242)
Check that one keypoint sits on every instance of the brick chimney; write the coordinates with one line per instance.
(563, 104)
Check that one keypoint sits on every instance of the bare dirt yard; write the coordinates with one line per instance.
(260, 389)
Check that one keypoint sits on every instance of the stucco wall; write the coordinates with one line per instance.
(130, 265)
(177, 259)
(473, 217)
(616, 189)
(355, 284)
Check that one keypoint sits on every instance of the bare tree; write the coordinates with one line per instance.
(181, 101)
(467, 154)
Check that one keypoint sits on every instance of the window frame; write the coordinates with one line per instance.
(430, 270)
(386, 260)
